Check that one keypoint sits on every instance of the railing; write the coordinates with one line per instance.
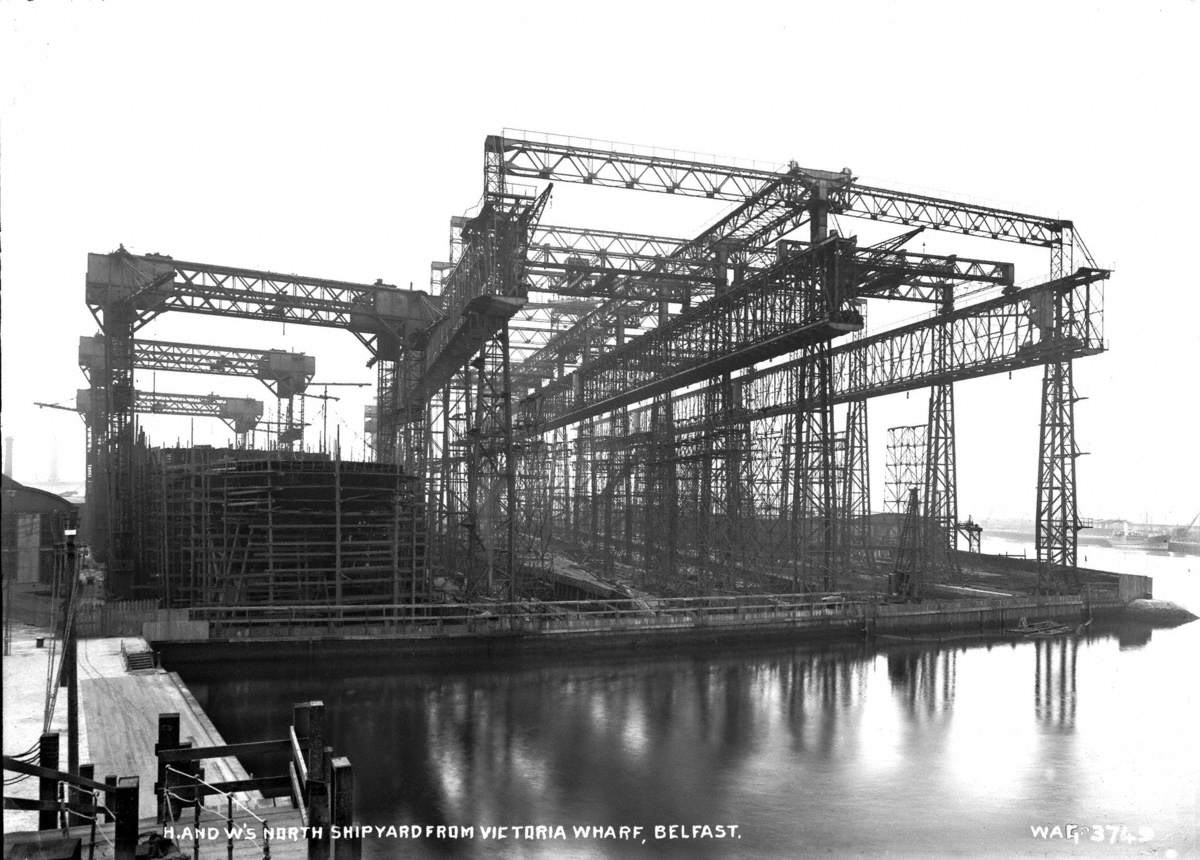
(67, 800)
(319, 784)
(196, 789)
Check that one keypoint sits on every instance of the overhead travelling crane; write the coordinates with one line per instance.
(124, 291)
(564, 372)
(998, 335)
(285, 374)
(606, 324)
(240, 414)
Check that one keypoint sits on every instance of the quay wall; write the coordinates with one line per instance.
(633, 633)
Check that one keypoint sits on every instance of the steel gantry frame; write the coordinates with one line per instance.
(124, 291)
(241, 414)
(656, 400)
(603, 431)
(285, 374)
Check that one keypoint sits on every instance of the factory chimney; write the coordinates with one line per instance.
(8, 440)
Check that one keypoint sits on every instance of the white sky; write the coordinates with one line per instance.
(337, 139)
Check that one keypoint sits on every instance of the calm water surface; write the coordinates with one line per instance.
(911, 749)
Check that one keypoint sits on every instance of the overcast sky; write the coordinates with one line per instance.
(336, 139)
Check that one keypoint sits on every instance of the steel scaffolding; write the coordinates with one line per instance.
(666, 415)
(673, 415)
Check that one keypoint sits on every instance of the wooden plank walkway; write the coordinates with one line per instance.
(122, 711)
(277, 818)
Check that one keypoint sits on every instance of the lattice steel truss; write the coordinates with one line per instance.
(662, 410)
(124, 291)
(905, 465)
(656, 434)
(1058, 523)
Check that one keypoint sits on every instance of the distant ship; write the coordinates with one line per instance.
(1143, 541)
(1121, 536)
(1187, 539)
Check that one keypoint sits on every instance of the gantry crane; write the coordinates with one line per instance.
(692, 378)
(285, 374)
(597, 321)
(124, 291)
(240, 414)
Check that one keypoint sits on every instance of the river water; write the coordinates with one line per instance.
(915, 749)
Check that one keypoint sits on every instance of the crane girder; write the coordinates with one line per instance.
(1055, 321)
(773, 203)
(970, 219)
(384, 315)
(880, 272)
(573, 160)
(795, 303)
(241, 413)
(558, 258)
(775, 208)
(568, 161)
(289, 372)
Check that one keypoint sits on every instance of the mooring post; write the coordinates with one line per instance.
(48, 785)
(125, 831)
(178, 784)
(168, 739)
(80, 796)
(110, 796)
(341, 782)
(319, 809)
(316, 736)
(318, 775)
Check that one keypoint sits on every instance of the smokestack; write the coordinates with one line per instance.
(8, 440)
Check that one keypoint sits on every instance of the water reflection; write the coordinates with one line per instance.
(924, 680)
(1054, 681)
(800, 744)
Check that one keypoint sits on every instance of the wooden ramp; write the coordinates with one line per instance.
(123, 713)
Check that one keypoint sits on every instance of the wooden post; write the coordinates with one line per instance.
(319, 817)
(110, 796)
(341, 780)
(125, 831)
(318, 772)
(81, 795)
(229, 826)
(168, 739)
(47, 785)
(177, 784)
(71, 682)
(316, 738)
